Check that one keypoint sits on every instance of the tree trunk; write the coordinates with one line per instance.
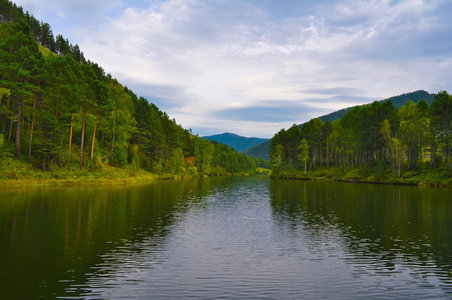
(54, 138)
(328, 152)
(59, 151)
(7, 113)
(320, 156)
(83, 135)
(94, 135)
(70, 144)
(10, 128)
(19, 117)
(31, 133)
(113, 138)
(392, 152)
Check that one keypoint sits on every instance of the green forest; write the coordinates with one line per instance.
(371, 143)
(62, 117)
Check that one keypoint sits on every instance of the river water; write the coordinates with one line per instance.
(226, 238)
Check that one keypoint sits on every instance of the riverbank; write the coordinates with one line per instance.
(437, 177)
(14, 172)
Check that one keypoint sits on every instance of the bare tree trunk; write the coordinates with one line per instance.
(10, 128)
(113, 138)
(320, 156)
(70, 144)
(19, 119)
(83, 135)
(6, 116)
(51, 159)
(31, 133)
(94, 135)
(59, 151)
(328, 152)
(54, 138)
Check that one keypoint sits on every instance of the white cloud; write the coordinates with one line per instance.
(196, 57)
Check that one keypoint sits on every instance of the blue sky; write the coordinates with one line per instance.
(252, 67)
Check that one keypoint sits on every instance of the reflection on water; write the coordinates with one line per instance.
(226, 238)
(397, 237)
(51, 239)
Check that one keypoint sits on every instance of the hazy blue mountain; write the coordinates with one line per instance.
(239, 143)
(398, 101)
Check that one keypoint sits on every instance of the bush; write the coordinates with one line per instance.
(408, 174)
(96, 164)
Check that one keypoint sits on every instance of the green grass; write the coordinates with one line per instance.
(437, 177)
(17, 172)
(46, 52)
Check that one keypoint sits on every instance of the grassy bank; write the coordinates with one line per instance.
(437, 177)
(15, 172)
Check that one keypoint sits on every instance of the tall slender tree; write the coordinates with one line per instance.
(441, 110)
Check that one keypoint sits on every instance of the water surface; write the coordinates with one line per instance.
(236, 238)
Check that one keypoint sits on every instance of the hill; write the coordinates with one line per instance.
(239, 143)
(397, 101)
(261, 151)
(63, 118)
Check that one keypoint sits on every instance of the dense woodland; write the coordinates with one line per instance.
(59, 110)
(374, 138)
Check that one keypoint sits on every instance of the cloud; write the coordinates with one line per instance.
(273, 111)
(334, 91)
(200, 60)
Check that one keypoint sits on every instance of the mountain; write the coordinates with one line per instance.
(397, 101)
(261, 151)
(239, 143)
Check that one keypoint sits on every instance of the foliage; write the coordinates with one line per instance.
(64, 110)
(397, 101)
(376, 139)
(303, 156)
(260, 151)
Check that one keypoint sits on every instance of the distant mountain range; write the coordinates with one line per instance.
(398, 101)
(239, 143)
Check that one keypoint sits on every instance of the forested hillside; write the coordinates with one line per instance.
(375, 138)
(261, 150)
(239, 143)
(59, 110)
(397, 101)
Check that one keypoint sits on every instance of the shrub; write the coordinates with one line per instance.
(96, 164)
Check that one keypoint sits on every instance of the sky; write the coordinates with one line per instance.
(254, 67)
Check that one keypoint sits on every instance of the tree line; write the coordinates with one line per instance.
(41, 31)
(376, 136)
(62, 110)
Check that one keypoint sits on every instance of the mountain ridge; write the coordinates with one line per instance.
(261, 150)
(239, 143)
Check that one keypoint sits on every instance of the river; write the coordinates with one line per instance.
(226, 238)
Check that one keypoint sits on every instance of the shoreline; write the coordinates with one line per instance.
(425, 178)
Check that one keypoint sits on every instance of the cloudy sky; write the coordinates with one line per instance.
(252, 67)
